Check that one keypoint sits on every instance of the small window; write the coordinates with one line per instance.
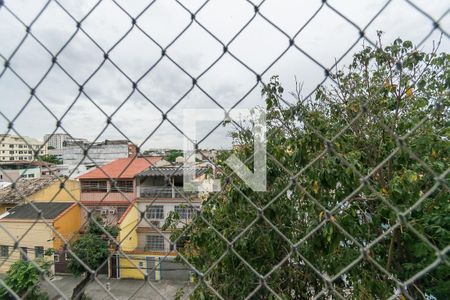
(141, 265)
(121, 211)
(39, 251)
(155, 243)
(56, 258)
(93, 186)
(186, 212)
(24, 253)
(68, 257)
(4, 250)
(155, 212)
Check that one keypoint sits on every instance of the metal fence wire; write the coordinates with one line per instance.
(288, 268)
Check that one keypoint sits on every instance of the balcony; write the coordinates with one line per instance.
(164, 192)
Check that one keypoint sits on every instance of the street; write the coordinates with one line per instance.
(120, 288)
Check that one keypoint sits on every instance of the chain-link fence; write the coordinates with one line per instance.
(357, 158)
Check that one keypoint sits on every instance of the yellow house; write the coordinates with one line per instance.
(131, 261)
(58, 222)
(43, 189)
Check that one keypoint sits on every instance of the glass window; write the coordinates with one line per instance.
(155, 243)
(186, 212)
(93, 185)
(124, 186)
(155, 212)
(120, 211)
(56, 258)
(4, 250)
(39, 251)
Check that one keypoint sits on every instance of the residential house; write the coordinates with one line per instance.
(43, 189)
(109, 190)
(59, 223)
(160, 192)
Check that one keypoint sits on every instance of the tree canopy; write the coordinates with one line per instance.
(357, 196)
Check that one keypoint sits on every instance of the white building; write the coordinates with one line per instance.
(20, 148)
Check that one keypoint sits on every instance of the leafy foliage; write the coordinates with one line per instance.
(172, 155)
(91, 247)
(23, 278)
(320, 148)
(52, 159)
(93, 250)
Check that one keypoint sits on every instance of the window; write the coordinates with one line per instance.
(4, 250)
(124, 186)
(30, 175)
(93, 186)
(38, 251)
(68, 256)
(186, 212)
(121, 211)
(56, 258)
(155, 243)
(155, 212)
(24, 253)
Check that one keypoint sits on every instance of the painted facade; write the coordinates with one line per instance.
(40, 238)
(46, 190)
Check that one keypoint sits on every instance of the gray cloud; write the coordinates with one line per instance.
(326, 38)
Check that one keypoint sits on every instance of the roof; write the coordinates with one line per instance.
(16, 192)
(121, 168)
(15, 139)
(171, 171)
(49, 211)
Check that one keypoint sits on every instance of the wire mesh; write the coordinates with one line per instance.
(257, 212)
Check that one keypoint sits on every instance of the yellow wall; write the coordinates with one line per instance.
(39, 235)
(70, 192)
(3, 207)
(129, 268)
(127, 234)
(68, 225)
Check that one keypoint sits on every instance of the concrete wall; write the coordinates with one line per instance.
(39, 235)
(100, 154)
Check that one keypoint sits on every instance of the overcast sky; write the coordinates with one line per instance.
(326, 38)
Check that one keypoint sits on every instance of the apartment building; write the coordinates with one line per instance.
(20, 148)
(109, 190)
(57, 141)
(160, 192)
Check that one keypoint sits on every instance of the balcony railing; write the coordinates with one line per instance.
(163, 192)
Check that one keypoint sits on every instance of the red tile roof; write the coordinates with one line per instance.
(122, 168)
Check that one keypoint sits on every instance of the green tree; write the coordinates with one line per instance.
(172, 155)
(23, 278)
(319, 149)
(52, 159)
(93, 250)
